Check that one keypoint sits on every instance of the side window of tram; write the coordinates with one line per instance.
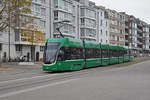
(104, 53)
(92, 53)
(89, 53)
(61, 55)
(76, 53)
(110, 53)
(120, 53)
(70, 54)
(114, 53)
(96, 53)
(125, 53)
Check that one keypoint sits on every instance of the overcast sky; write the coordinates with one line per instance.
(138, 8)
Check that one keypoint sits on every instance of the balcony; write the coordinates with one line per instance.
(126, 27)
(139, 42)
(88, 27)
(139, 31)
(126, 33)
(139, 36)
(88, 38)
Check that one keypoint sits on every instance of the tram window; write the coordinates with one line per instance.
(73, 53)
(115, 53)
(67, 53)
(88, 53)
(104, 53)
(61, 55)
(92, 53)
(76, 53)
(110, 53)
(125, 53)
(118, 53)
(96, 53)
(121, 53)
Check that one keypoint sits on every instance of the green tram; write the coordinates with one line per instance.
(67, 54)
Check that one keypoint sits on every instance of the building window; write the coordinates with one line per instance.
(106, 33)
(101, 13)
(55, 3)
(43, 12)
(41, 48)
(44, 1)
(55, 15)
(43, 24)
(37, 10)
(82, 21)
(101, 32)
(118, 38)
(82, 32)
(101, 22)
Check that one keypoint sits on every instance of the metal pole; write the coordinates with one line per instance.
(32, 58)
(101, 52)
(9, 35)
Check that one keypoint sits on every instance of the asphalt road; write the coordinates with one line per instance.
(103, 83)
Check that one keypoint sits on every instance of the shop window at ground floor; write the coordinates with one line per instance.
(18, 48)
(42, 48)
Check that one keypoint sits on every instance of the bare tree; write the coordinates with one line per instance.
(11, 15)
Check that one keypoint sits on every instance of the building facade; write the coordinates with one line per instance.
(61, 10)
(19, 45)
(136, 35)
(102, 25)
(87, 22)
(116, 28)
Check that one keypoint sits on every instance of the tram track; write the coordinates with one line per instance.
(20, 84)
(8, 87)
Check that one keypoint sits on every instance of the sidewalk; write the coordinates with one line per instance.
(16, 68)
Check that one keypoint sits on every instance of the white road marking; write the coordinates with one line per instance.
(36, 88)
(21, 79)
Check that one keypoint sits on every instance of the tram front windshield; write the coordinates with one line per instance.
(50, 53)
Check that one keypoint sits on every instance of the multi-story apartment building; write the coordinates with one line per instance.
(117, 27)
(65, 10)
(145, 46)
(149, 35)
(102, 25)
(18, 44)
(131, 33)
(136, 35)
(127, 30)
(88, 21)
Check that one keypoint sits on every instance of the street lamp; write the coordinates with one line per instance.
(63, 24)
